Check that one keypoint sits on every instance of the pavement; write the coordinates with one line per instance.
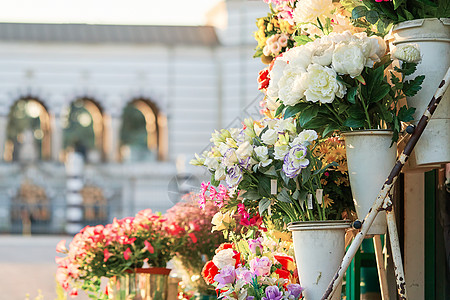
(27, 267)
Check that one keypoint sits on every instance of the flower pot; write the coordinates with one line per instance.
(319, 249)
(140, 284)
(433, 38)
(369, 160)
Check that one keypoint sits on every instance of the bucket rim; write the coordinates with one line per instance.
(309, 225)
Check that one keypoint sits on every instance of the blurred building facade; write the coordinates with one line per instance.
(134, 102)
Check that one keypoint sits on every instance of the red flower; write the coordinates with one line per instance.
(224, 246)
(285, 261)
(74, 292)
(106, 255)
(149, 247)
(283, 273)
(209, 271)
(127, 254)
(193, 237)
(263, 79)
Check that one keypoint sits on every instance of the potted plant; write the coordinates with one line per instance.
(200, 242)
(426, 24)
(132, 252)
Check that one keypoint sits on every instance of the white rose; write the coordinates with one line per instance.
(262, 153)
(224, 258)
(348, 59)
(286, 125)
(307, 11)
(230, 158)
(220, 173)
(244, 150)
(281, 151)
(322, 84)
(408, 53)
(269, 137)
(305, 136)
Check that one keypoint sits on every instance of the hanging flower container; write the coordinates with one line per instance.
(140, 284)
(319, 249)
(369, 159)
(433, 39)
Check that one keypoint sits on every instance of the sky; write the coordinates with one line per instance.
(153, 12)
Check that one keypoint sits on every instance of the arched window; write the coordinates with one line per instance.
(28, 131)
(142, 134)
(84, 129)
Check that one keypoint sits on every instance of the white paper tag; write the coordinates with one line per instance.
(319, 195)
(310, 201)
(273, 186)
(269, 210)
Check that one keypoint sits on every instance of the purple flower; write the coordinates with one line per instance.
(234, 176)
(250, 298)
(254, 244)
(244, 274)
(273, 293)
(260, 266)
(225, 276)
(294, 289)
(295, 161)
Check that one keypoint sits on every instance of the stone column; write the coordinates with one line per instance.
(74, 199)
(113, 123)
(57, 137)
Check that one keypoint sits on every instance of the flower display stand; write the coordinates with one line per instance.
(383, 202)
(140, 284)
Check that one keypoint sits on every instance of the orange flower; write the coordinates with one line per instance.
(327, 201)
(209, 271)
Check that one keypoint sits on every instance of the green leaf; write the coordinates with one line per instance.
(330, 128)
(411, 87)
(360, 79)
(379, 93)
(372, 17)
(359, 12)
(293, 110)
(264, 186)
(308, 114)
(251, 195)
(406, 114)
(264, 204)
(397, 3)
(271, 172)
(302, 39)
(214, 182)
(283, 196)
(356, 112)
(354, 123)
(306, 174)
(351, 94)
(279, 109)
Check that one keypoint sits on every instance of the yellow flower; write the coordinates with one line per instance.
(321, 150)
(221, 221)
(260, 22)
(327, 201)
(329, 158)
(339, 151)
(269, 27)
(342, 181)
(342, 167)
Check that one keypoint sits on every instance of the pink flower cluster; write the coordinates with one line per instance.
(109, 250)
(209, 192)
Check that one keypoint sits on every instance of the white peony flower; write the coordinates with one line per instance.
(348, 59)
(322, 51)
(305, 136)
(269, 137)
(322, 84)
(408, 53)
(275, 74)
(290, 87)
(245, 150)
(298, 58)
(307, 11)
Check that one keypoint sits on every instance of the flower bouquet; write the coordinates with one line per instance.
(111, 250)
(251, 269)
(282, 172)
(200, 242)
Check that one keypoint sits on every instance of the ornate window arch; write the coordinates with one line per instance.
(28, 131)
(84, 129)
(143, 132)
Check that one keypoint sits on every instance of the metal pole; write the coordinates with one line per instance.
(392, 178)
(380, 267)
